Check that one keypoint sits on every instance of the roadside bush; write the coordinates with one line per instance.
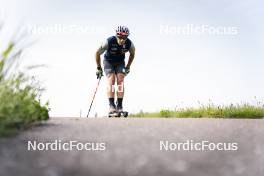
(19, 94)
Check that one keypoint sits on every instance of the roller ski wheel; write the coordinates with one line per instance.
(122, 114)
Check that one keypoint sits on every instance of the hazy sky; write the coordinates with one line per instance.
(171, 68)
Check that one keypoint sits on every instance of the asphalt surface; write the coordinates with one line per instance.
(132, 147)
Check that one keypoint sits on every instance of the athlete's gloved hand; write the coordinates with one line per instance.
(127, 70)
(99, 72)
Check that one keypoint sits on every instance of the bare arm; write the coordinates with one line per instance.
(98, 59)
(100, 51)
(131, 55)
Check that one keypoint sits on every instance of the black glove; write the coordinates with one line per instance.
(99, 72)
(127, 70)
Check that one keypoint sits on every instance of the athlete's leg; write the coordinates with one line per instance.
(111, 79)
(120, 91)
(120, 75)
(120, 85)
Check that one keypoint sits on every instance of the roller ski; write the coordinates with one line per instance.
(113, 112)
(118, 114)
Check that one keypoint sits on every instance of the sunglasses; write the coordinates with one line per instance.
(122, 37)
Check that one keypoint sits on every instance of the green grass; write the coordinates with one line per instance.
(19, 94)
(211, 111)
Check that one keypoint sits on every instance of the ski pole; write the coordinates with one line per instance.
(94, 96)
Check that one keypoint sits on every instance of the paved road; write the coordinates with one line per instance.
(132, 147)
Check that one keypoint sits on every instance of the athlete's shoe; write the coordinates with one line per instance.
(112, 109)
(119, 109)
